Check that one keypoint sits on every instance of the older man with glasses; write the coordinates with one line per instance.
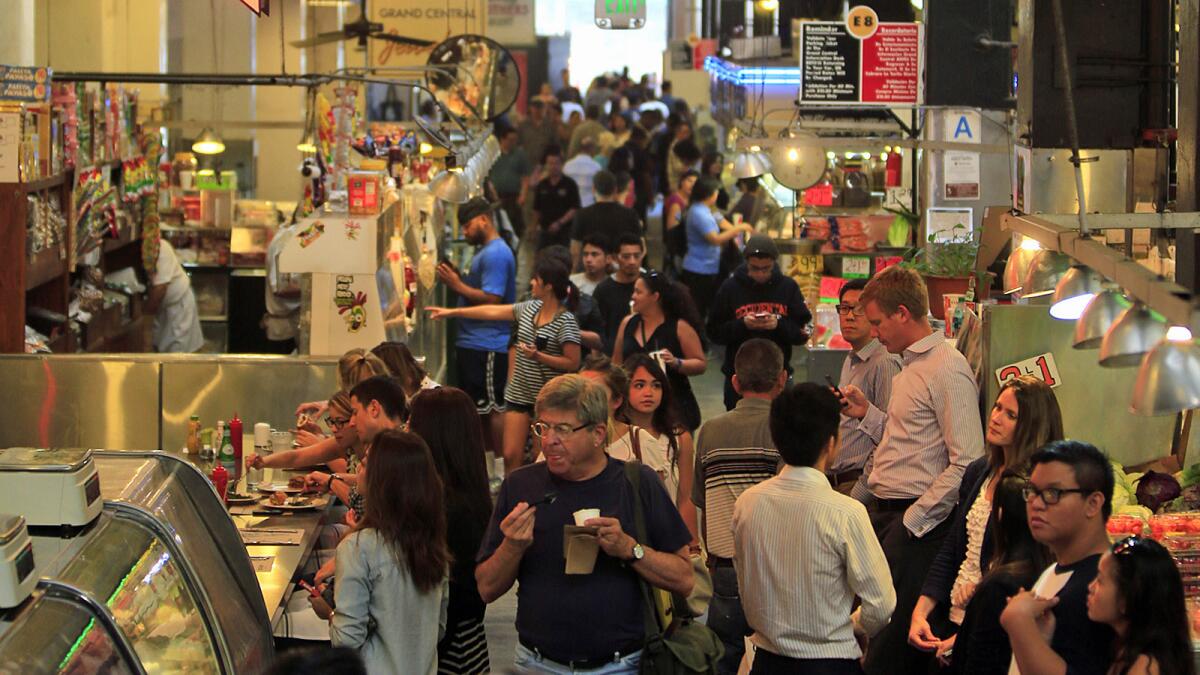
(594, 622)
(870, 368)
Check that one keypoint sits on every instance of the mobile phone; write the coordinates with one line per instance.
(836, 392)
(541, 342)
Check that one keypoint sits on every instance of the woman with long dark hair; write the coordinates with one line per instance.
(706, 234)
(665, 443)
(448, 422)
(1024, 417)
(403, 366)
(1138, 592)
(391, 585)
(664, 325)
(981, 646)
(547, 345)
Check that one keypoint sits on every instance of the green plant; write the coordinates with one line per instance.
(953, 257)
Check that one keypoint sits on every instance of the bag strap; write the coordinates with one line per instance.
(635, 442)
(633, 473)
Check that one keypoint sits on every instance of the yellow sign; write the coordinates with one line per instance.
(862, 22)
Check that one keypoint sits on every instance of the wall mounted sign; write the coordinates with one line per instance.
(1041, 366)
(882, 67)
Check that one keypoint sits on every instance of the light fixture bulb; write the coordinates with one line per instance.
(426, 148)
(1179, 333)
(1073, 293)
(306, 144)
(793, 155)
(208, 143)
(1030, 244)
(768, 5)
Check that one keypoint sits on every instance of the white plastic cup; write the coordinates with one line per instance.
(584, 515)
(262, 434)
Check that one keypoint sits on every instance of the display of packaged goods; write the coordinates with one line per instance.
(1164, 524)
(1121, 526)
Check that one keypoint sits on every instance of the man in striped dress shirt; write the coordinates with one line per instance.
(804, 551)
(933, 431)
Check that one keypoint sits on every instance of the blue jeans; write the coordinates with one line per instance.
(529, 662)
(726, 619)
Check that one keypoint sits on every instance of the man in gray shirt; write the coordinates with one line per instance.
(734, 451)
(870, 368)
(932, 432)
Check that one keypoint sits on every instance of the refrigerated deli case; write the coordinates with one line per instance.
(158, 582)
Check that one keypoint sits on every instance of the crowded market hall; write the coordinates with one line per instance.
(830, 337)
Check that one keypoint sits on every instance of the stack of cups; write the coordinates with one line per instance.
(262, 448)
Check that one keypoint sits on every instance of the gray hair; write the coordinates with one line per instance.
(575, 393)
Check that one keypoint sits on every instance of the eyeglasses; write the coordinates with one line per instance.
(1128, 545)
(856, 310)
(541, 429)
(1049, 496)
(336, 423)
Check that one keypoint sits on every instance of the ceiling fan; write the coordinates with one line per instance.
(362, 29)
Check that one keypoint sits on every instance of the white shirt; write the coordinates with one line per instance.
(969, 572)
(582, 169)
(803, 552)
(177, 324)
(656, 454)
(584, 284)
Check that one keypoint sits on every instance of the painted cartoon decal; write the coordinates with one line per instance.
(350, 305)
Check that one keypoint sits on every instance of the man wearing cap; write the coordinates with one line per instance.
(757, 301)
(482, 355)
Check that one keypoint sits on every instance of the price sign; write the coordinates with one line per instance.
(819, 195)
(831, 288)
(1041, 366)
(856, 266)
(882, 262)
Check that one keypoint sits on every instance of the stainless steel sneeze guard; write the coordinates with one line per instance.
(143, 401)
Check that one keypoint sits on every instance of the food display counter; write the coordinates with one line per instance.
(159, 581)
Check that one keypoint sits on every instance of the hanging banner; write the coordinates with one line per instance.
(423, 19)
(861, 61)
(510, 22)
(28, 85)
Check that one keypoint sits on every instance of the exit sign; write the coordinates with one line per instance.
(259, 7)
(620, 14)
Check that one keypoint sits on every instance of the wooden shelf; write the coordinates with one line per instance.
(45, 183)
(46, 266)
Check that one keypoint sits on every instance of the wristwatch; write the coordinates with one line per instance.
(638, 552)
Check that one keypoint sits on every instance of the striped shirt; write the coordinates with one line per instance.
(804, 552)
(871, 369)
(734, 451)
(933, 431)
(529, 375)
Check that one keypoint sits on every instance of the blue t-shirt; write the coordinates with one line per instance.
(493, 270)
(702, 257)
(582, 616)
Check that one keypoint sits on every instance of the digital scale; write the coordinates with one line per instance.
(17, 577)
(50, 487)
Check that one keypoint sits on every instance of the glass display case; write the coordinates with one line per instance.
(158, 582)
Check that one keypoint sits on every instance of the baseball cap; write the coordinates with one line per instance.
(761, 246)
(476, 206)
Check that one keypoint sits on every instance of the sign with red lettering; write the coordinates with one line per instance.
(869, 63)
(1041, 366)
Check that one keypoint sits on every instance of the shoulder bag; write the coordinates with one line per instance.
(683, 646)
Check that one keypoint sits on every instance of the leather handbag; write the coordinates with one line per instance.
(683, 646)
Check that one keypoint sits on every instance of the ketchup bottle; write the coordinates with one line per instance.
(220, 480)
(235, 432)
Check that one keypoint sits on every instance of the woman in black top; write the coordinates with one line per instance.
(664, 324)
(446, 419)
(981, 646)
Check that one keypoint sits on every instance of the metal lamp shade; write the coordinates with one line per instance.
(1133, 334)
(450, 186)
(1098, 317)
(1017, 267)
(750, 165)
(1045, 270)
(1168, 380)
(208, 143)
(1074, 291)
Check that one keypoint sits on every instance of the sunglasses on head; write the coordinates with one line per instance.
(1128, 545)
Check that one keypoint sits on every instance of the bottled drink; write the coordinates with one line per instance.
(193, 437)
(235, 430)
(225, 455)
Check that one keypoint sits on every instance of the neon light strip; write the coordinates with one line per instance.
(729, 72)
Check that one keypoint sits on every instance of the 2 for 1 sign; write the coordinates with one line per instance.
(1041, 366)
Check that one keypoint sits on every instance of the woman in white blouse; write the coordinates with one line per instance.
(1024, 418)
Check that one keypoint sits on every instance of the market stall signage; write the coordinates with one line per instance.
(510, 22)
(960, 170)
(1041, 366)
(882, 67)
(29, 85)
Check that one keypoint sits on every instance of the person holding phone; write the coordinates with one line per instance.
(548, 344)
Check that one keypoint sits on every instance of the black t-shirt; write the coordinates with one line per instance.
(607, 219)
(552, 201)
(1085, 645)
(586, 615)
(613, 298)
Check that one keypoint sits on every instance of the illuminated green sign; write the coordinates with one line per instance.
(620, 14)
